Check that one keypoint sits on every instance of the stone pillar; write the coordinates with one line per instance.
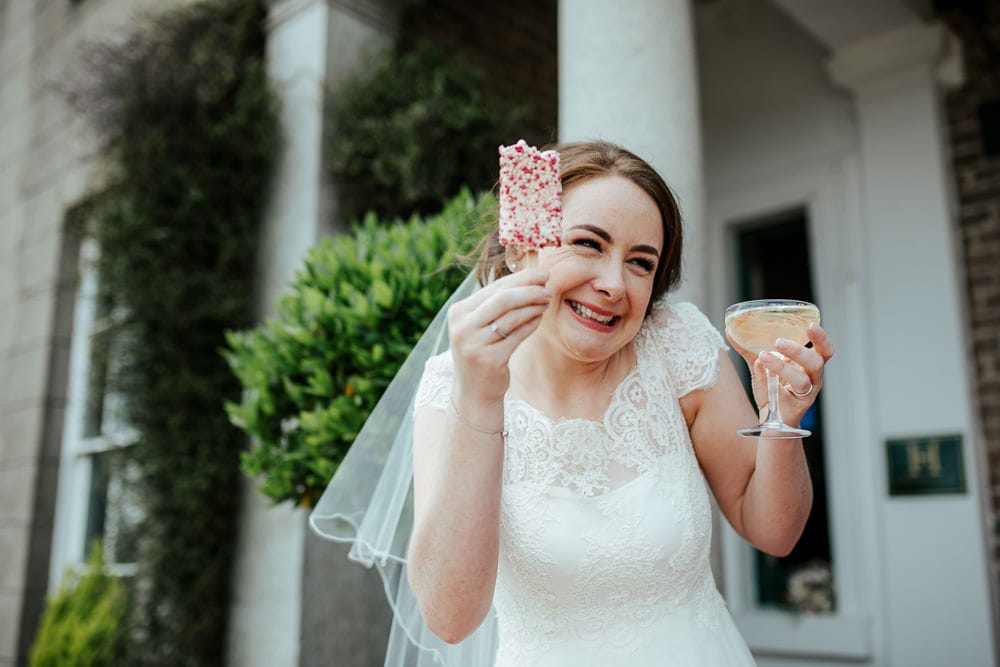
(627, 74)
(345, 616)
(298, 600)
(935, 587)
(265, 622)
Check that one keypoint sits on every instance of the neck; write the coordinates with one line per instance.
(562, 386)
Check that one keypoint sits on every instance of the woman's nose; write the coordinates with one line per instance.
(610, 281)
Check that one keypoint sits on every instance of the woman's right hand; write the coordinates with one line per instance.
(485, 329)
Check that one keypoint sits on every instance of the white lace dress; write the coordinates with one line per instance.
(606, 526)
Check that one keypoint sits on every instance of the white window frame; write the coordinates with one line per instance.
(78, 452)
(829, 193)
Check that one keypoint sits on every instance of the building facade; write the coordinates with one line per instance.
(848, 152)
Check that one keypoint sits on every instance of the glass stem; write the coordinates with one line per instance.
(773, 415)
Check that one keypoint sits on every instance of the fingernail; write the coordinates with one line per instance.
(781, 342)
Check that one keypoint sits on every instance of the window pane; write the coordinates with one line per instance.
(773, 256)
(114, 509)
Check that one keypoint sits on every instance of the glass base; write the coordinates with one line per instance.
(774, 431)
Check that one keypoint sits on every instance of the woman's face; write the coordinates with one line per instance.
(602, 275)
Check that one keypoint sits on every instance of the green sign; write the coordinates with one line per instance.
(926, 465)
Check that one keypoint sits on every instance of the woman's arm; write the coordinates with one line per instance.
(452, 560)
(762, 485)
(458, 458)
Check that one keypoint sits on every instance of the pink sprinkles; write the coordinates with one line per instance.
(530, 197)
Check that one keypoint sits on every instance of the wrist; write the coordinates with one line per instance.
(485, 418)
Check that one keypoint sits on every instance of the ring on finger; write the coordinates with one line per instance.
(800, 394)
(503, 334)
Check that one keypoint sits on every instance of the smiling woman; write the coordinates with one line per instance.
(564, 447)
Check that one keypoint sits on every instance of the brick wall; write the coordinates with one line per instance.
(975, 139)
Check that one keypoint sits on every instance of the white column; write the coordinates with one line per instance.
(934, 567)
(265, 623)
(627, 74)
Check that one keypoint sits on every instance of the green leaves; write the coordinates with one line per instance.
(409, 131)
(190, 134)
(353, 312)
(83, 623)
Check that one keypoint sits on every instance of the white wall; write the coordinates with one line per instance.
(768, 106)
(873, 176)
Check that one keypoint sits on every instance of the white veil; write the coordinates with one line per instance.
(369, 503)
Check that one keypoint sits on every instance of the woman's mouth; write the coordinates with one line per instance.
(590, 315)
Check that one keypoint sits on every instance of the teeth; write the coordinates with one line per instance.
(580, 309)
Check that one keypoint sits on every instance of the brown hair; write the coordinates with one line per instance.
(583, 160)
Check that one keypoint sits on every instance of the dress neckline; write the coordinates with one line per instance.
(616, 393)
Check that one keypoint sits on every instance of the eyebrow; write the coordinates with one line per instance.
(598, 231)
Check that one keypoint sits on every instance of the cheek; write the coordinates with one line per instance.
(642, 293)
(564, 266)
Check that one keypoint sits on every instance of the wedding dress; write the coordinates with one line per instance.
(606, 525)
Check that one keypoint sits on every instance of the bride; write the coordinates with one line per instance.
(565, 446)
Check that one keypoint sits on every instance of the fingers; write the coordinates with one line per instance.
(523, 279)
(499, 317)
(821, 342)
(790, 374)
(517, 325)
(800, 367)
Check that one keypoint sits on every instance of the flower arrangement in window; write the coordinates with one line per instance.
(810, 589)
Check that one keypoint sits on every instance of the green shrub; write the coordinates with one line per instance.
(313, 374)
(411, 131)
(190, 133)
(84, 623)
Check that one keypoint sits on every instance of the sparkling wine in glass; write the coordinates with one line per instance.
(755, 325)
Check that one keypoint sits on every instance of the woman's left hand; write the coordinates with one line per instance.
(799, 369)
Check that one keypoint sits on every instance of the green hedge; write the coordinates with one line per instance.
(191, 135)
(409, 132)
(313, 374)
(83, 624)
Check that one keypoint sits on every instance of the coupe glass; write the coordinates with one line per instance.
(754, 325)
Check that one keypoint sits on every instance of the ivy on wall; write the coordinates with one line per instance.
(189, 127)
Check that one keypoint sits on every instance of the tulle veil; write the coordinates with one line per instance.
(369, 504)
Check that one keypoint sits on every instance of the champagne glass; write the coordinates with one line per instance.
(755, 325)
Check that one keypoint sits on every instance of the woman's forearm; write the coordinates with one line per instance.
(778, 498)
(454, 548)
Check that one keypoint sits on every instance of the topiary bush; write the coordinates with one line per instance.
(410, 131)
(84, 623)
(313, 373)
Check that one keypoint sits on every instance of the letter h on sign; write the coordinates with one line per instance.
(925, 465)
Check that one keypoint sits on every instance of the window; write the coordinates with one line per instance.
(98, 497)
(803, 580)
(798, 233)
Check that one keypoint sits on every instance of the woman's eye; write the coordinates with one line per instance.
(588, 243)
(645, 264)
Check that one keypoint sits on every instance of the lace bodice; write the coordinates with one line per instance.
(606, 525)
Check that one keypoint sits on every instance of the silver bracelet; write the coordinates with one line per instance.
(465, 421)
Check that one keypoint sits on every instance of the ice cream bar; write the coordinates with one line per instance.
(530, 197)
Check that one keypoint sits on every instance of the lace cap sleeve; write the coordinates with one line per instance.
(690, 345)
(435, 383)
